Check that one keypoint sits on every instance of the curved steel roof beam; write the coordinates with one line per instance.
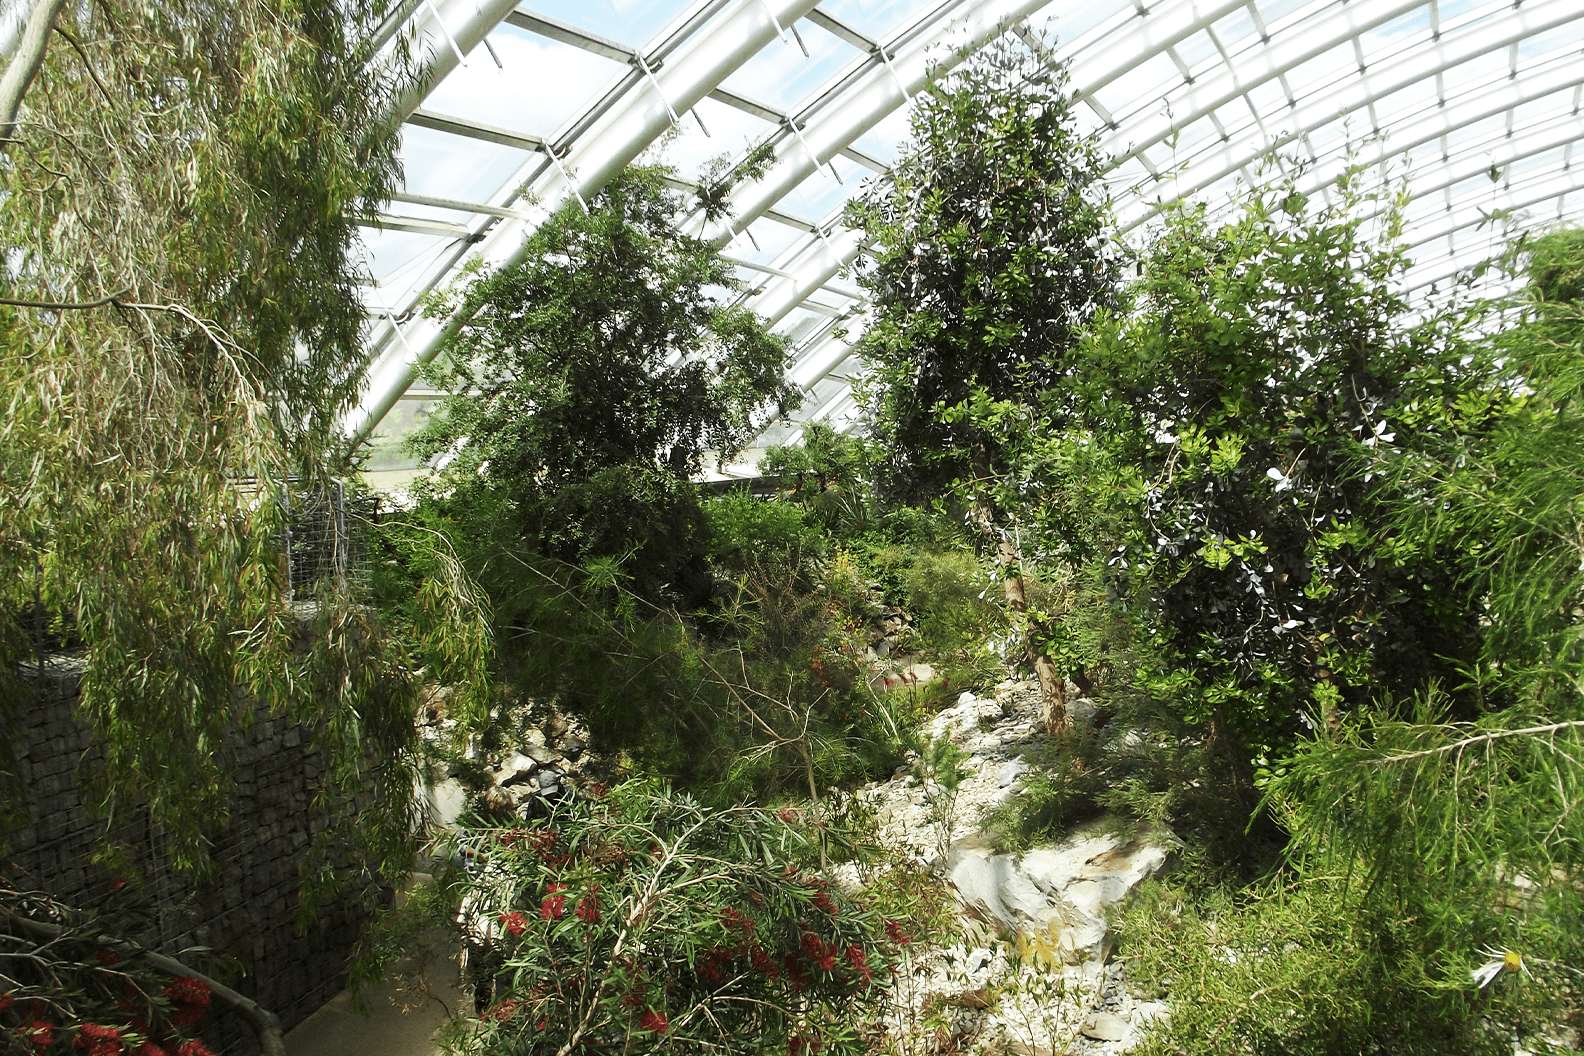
(1495, 96)
(698, 65)
(875, 94)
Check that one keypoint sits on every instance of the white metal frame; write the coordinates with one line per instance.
(1214, 101)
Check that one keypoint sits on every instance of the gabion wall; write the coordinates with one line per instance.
(245, 913)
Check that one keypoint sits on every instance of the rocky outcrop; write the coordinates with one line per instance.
(542, 762)
(1039, 978)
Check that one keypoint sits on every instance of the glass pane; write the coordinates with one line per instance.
(442, 165)
(633, 23)
(879, 20)
(779, 74)
(732, 134)
(539, 87)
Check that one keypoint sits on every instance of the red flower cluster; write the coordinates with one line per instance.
(788, 815)
(822, 953)
(515, 922)
(763, 963)
(191, 998)
(148, 1048)
(194, 1048)
(799, 1045)
(736, 920)
(822, 902)
(859, 962)
(895, 933)
(186, 990)
(40, 1034)
(501, 1011)
(6, 1000)
(654, 1022)
(100, 1040)
(713, 965)
(553, 905)
(588, 910)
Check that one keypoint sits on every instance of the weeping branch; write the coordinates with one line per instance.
(23, 64)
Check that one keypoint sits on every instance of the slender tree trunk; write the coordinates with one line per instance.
(23, 64)
(1053, 688)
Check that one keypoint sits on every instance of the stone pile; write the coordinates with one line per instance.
(542, 762)
(1036, 976)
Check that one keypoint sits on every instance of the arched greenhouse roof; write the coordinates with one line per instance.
(529, 104)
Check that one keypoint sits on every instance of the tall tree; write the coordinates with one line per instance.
(180, 313)
(590, 380)
(992, 248)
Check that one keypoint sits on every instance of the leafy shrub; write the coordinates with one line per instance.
(1295, 969)
(1238, 402)
(645, 920)
(744, 529)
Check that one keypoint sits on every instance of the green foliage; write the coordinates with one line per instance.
(589, 379)
(831, 475)
(1295, 969)
(744, 530)
(190, 213)
(989, 255)
(1237, 404)
(1469, 828)
(645, 920)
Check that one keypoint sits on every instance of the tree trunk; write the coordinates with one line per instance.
(23, 64)
(1053, 688)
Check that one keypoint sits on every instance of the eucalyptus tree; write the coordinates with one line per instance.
(588, 383)
(991, 250)
(180, 313)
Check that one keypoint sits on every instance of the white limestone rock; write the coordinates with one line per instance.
(1059, 894)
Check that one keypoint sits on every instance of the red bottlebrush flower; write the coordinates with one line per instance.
(6, 1000)
(799, 1045)
(736, 920)
(713, 965)
(100, 1040)
(796, 977)
(515, 923)
(654, 1022)
(633, 998)
(859, 960)
(188, 1016)
(763, 963)
(118, 883)
(895, 933)
(553, 905)
(148, 1048)
(822, 902)
(194, 1047)
(588, 910)
(788, 815)
(501, 1011)
(40, 1034)
(186, 990)
(108, 958)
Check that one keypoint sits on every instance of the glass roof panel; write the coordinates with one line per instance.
(879, 20)
(779, 74)
(442, 165)
(540, 85)
(732, 134)
(883, 141)
(633, 23)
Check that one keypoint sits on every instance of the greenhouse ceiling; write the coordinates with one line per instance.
(532, 104)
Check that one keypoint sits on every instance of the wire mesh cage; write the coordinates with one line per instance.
(325, 538)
